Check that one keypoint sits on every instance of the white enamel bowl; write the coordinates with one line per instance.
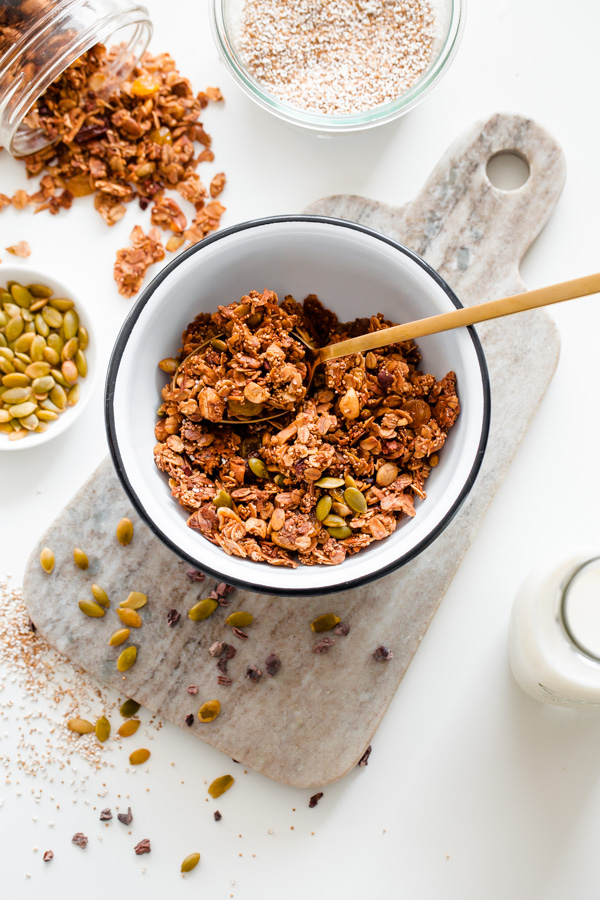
(25, 274)
(355, 272)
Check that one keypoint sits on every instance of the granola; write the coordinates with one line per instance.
(337, 471)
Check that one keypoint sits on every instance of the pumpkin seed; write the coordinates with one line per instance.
(6, 365)
(100, 596)
(190, 862)
(21, 296)
(350, 404)
(81, 363)
(37, 370)
(70, 324)
(218, 344)
(81, 559)
(135, 600)
(23, 343)
(332, 521)
(47, 560)
(55, 341)
(59, 377)
(126, 659)
(102, 729)
(91, 608)
(258, 468)
(239, 619)
(125, 531)
(69, 371)
(45, 415)
(73, 395)
(58, 396)
(340, 509)
(279, 480)
(202, 610)
(30, 422)
(43, 385)
(80, 726)
(17, 394)
(40, 290)
(209, 711)
(323, 507)
(340, 533)
(83, 338)
(6, 352)
(61, 303)
(386, 474)
(42, 327)
(327, 482)
(50, 356)
(138, 757)
(169, 365)
(23, 357)
(70, 348)
(326, 622)
(223, 499)
(130, 618)
(220, 785)
(14, 328)
(21, 410)
(245, 408)
(119, 637)
(36, 351)
(355, 500)
(4, 416)
(255, 319)
(129, 708)
(128, 728)
(52, 317)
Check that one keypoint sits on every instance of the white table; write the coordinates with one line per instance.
(473, 789)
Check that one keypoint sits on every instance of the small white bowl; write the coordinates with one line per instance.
(25, 274)
(355, 272)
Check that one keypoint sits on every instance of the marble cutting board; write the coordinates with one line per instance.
(310, 724)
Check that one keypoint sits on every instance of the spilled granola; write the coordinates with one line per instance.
(336, 472)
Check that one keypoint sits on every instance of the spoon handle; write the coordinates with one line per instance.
(468, 315)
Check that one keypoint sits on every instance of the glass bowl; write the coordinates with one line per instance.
(449, 18)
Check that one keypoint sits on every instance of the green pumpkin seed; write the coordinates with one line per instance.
(21, 296)
(129, 708)
(128, 728)
(36, 350)
(18, 365)
(42, 327)
(37, 370)
(24, 357)
(91, 608)
(80, 726)
(83, 338)
(81, 560)
(50, 356)
(73, 395)
(58, 396)
(223, 499)
(125, 531)
(30, 422)
(209, 711)
(244, 409)
(279, 480)
(202, 610)
(7, 353)
(37, 305)
(328, 482)
(333, 521)
(49, 406)
(3, 341)
(21, 410)
(3, 318)
(47, 560)
(355, 500)
(55, 341)
(239, 619)
(52, 317)
(102, 729)
(23, 343)
(340, 533)
(81, 363)
(43, 385)
(119, 637)
(61, 304)
(130, 617)
(39, 290)
(45, 415)
(190, 862)
(69, 371)
(127, 659)
(255, 319)
(14, 328)
(218, 344)
(70, 349)
(59, 378)
(70, 324)
(220, 785)
(136, 600)
(323, 507)
(326, 622)
(138, 757)
(16, 379)
(6, 366)
(169, 365)
(258, 468)
(100, 596)
(4, 416)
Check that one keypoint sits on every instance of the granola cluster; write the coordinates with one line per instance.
(333, 474)
(134, 143)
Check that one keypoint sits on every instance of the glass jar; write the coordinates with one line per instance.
(554, 634)
(39, 39)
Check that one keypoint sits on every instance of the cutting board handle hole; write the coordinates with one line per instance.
(507, 170)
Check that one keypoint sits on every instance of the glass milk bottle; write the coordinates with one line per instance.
(554, 634)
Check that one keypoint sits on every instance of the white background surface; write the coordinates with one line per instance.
(473, 790)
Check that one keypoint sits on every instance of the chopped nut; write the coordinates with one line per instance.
(314, 800)
(21, 249)
(382, 653)
(324, 645)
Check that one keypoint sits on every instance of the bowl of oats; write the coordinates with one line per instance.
(258, 475)
(340, 66)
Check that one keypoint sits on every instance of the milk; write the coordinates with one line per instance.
(554, 633)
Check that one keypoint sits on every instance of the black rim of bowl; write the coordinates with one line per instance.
(111, 377)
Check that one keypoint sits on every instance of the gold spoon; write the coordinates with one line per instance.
(468, 315)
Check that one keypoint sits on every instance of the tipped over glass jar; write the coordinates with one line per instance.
(39, 39)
